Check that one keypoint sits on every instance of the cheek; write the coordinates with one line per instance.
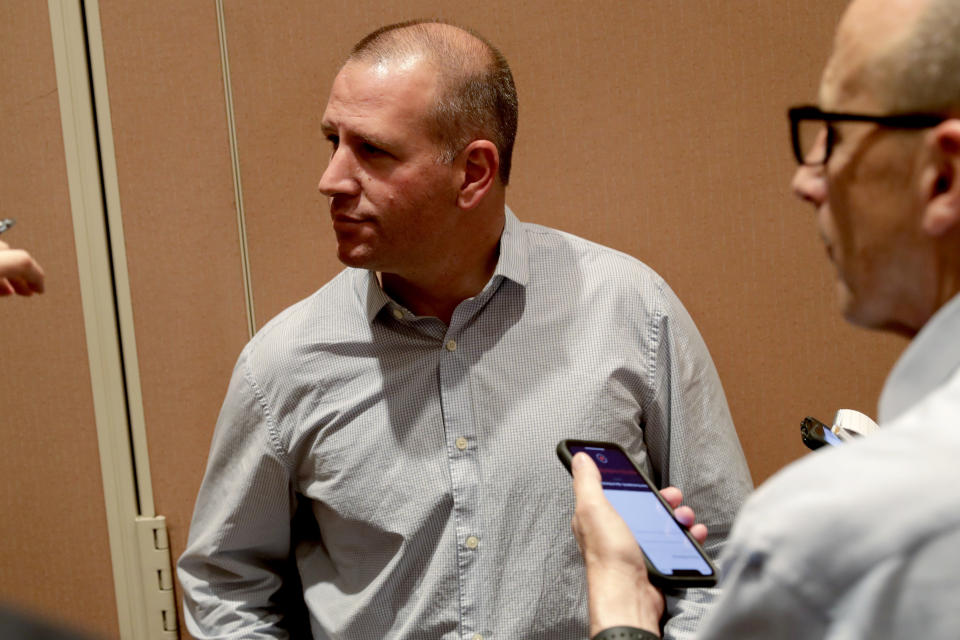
(418, 192)
(384, 195)
(847, 202)
(831, 216)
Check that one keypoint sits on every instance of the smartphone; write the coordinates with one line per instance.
(674, 559)
(816, 434)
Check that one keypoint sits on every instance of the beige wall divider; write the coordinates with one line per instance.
(139, 548)
(235, 165)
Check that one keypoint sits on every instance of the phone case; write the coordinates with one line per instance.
(811, 432)
(663, 581)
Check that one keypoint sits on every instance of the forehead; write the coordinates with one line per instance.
(390, 96)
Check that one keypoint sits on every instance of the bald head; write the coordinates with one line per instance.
(476, 97)
(910, 52)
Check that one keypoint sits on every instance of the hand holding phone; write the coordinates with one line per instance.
(674, 559)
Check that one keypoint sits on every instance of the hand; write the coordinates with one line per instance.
(19, 272)
(684, 514)
(619, 592)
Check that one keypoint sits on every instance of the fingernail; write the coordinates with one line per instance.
(579, 459)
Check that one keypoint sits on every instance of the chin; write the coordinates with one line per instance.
(358, 256)
(876, 319)
(358, 260)
(853, 310)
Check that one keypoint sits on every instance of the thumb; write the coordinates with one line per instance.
(586, 477)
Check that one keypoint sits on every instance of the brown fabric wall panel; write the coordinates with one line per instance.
(657, 128)
(55, 556)
(684, 108)
(180, 226)
(666, 137)
(279, 61)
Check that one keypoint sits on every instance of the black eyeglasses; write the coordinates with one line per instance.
(808, 124)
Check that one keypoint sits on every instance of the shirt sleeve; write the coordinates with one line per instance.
(779, 594)
(754, 604)
(239, 543)
(692, 444)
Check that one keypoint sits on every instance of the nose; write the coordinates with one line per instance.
(810, 184)
(339, 178)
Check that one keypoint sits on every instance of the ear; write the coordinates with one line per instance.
(481, 167)
(941, 180)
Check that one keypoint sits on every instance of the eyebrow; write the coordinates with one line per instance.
(329, 129)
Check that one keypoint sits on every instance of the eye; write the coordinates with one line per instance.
(372, 150)
(333, 140)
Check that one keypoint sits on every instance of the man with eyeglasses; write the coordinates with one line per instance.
(860, 541)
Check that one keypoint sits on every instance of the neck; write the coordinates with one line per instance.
(946, 285)
(949, 288)
(439, 297)
(459, 273)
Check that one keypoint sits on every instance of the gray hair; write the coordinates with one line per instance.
(477, 97)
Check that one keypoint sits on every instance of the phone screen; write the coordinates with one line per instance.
(662, 539)
(831, 438)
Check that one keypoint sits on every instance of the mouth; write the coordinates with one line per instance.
(349, 223)
(339, 218)
(344, 212)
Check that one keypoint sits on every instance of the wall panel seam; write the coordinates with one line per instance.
(235, 162)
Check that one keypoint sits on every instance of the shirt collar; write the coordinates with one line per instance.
(512, 264)
(514, 261)
(368, 287)
(928, 361)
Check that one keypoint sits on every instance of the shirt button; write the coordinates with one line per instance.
(461, 443)
(451, 345)
(397, 313)
(473, 542)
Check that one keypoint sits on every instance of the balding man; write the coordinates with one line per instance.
(860, 541)
(408, 411)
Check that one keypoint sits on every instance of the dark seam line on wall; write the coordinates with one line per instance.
(110, 261)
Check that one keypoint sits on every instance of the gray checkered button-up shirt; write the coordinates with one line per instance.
(422, 456)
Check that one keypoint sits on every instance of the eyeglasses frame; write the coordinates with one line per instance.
(810, 112)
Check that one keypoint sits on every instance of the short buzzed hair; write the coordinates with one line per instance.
(921, 71)
(477, 97)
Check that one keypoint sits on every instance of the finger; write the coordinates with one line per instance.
(685, 516)
(590, 501)
(699, 532)
(21, 271)
(688, 518)
(34, 277)
(3, 246)
(5, 288)
(21, 286)
(673, 496)
(586, 477)
(27, 283)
